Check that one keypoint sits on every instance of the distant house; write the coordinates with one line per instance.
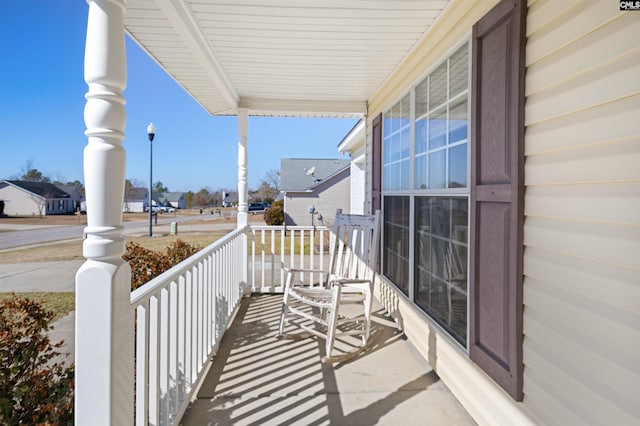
(136, 200)
(22, 198)
(354, 144)
(313, 189)
(177, 200)
(76, 193)
(230, 199)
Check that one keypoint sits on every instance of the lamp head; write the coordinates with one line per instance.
(151, 131)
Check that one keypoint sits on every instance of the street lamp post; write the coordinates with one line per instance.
(151, 131)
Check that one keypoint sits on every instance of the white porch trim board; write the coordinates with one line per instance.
(104, 322)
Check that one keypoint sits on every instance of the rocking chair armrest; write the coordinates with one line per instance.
(289, 269)
(341, 281)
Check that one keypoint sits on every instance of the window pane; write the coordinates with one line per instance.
(404, 175)
(458, 166)
(421, 98)
(396, 241)
(405, 143)
(395, 117)
(440, 216)
(386, 124)
(405, 111)
(438, 128)
(421, 136)
(386, 178)
(437, 171)
(459, 215)
(441, 261)
(438, 86)
(421, 172)
(459, 66)
(458, 121)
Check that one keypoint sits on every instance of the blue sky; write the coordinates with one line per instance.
(42, 92)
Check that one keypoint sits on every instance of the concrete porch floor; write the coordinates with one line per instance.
(257, 379)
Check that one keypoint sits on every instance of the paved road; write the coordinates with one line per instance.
(19, 236)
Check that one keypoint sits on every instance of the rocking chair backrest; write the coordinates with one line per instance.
(354, 245)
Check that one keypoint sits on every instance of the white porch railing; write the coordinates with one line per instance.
(182, 314)
(180, 317)
(295, 246)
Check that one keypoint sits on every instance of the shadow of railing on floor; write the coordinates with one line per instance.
(257, 379)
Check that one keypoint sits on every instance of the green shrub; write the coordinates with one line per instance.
(147, 264)
(274, 215)
(34, 387)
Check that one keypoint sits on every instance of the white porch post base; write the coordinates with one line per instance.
(104, 338)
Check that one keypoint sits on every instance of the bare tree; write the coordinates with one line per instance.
(272, 179)
(130, 191)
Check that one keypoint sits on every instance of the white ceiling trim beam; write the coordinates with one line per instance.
(185, 26)
(320, 107)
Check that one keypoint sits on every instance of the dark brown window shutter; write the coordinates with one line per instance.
(376, 164)
(497, 194)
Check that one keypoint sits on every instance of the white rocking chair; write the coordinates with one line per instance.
(348, 281)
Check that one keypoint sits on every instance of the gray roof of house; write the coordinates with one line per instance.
(45, 190)
(69, 189)
(171, 196)
(136, 194)
(327, 181)
(297, 174)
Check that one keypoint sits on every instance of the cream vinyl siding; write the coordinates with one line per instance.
(358, 181)
(327, 197)
(582, 213)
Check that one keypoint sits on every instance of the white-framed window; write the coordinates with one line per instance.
(425, 164)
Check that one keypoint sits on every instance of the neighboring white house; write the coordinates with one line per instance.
(76, 193)
(136, 200)
(22, 198)
(354, 144)
(307, 183)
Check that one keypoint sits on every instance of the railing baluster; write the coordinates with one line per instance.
(181, 349)
(142, 364)
(312, 239)
(173, 348)
(154, 361)
(262, 256)
(273, 260)
(253, 258)
(164, 356)
(188, 330)
(301, 253)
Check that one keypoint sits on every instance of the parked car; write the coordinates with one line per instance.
(255, 208)
(161, 209)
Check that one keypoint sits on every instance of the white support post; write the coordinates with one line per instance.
(243, 189)
(104, 319)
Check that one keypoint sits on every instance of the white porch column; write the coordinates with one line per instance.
(104, 322)
(243, 188)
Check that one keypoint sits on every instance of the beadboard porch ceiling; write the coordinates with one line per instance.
(284, 57)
